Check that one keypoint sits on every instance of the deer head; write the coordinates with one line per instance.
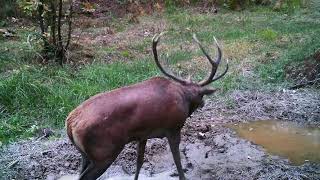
(195, 90)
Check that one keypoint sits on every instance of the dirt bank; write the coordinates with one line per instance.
(209, 149)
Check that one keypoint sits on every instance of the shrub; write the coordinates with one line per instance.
(8, 8)
(51, 15)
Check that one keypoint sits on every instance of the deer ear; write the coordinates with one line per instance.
(208, 91)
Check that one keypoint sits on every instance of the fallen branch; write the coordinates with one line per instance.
(13, 163)
(304, 84)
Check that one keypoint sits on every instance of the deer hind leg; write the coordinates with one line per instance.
(96, 168)
(84, 162)
(140, 151)
(174, 141)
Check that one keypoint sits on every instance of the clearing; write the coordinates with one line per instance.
(268, 53)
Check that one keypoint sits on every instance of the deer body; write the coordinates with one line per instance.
(127, 114)
(102, 125)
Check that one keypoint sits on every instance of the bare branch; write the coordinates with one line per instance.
(298, 86)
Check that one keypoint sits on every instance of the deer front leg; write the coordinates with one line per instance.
(140, 151)
(174, 141)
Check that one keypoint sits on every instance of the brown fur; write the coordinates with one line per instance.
(103, 124)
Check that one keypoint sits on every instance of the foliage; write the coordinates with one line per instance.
(7, 8)
(268, 34)
(50, 17)
(28, 7)
(88, 7)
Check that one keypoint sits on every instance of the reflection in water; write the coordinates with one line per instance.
(298, 144)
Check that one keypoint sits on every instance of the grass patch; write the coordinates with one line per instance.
(268, 34)
(45, 97)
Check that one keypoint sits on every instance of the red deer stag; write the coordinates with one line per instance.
(156, 108)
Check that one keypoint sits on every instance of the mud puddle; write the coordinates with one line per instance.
(287, 139)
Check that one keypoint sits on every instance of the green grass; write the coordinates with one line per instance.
(44, 97)
(263, 27)
(34, 96)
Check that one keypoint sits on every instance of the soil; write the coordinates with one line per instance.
(97, 8)
(306, 71)
(209, 149)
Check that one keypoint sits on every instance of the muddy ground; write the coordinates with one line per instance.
(209, 149)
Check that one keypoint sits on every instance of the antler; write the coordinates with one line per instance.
(155, 41)
(214, 64)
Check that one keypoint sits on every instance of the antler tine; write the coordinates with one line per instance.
(219, 60)
(202, 49)
(219, 57)
(224, 72)
(213, 64)
(155, 41)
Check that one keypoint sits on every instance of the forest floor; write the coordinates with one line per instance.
(209, 149)
(268, 53)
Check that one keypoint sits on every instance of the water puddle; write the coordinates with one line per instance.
(298, 144)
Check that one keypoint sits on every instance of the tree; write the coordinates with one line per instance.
(52, 17)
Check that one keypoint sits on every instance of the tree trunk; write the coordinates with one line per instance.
(53, 22)
(60, 53)
(43, 30)
(69, 24)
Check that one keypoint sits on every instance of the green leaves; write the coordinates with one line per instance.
(268, 34)
(28, 6)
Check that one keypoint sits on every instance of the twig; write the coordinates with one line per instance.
(41, 137)
(13, 163)
(304, 84)
(31, 47)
